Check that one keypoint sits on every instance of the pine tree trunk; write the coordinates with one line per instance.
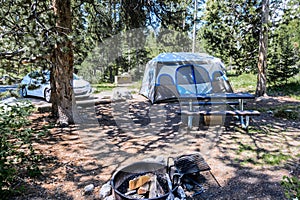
(261, 88)
(62, 69)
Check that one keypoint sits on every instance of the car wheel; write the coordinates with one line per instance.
(47, 95)
(24, 92)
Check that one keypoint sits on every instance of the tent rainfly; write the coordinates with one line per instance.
(169, 76)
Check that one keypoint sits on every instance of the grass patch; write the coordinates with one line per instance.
(247, 83)
(263, 129)
(265, 159)
(136, 85)
(248, 160)
(274, 159)
(245, 147)
(250, 154)
(103, 87)
(290, 88)
(243, 82)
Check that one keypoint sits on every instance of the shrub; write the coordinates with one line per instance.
(287, 114)
(16, 152)
(291, 187)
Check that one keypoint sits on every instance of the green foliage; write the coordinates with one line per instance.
(25, 31)
(284, 60)
(231, 31)
(9, 93)
(97, 69)
(29, 33)
(168, 41)
(291, 187)
(16, 151)
(128, 53)
(132, 43)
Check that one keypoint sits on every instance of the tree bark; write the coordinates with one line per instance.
(261, 88)
(62, 69)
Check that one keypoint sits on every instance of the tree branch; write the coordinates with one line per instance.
(9, 55)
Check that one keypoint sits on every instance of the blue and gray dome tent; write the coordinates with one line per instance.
(172, 75)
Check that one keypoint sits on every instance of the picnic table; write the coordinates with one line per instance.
(222, 104)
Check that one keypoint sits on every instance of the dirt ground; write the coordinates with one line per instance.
(110, 136)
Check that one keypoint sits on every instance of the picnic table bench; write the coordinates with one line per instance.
(233, 106)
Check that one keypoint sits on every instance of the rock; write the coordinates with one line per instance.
(121, 94)
(111, 197)
(105, 190)
(88, 188)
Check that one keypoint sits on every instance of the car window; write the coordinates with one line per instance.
(43, 77)
(47, 75)
(75, 77)
(35, 74)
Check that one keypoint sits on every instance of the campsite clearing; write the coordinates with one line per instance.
(247, 165)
